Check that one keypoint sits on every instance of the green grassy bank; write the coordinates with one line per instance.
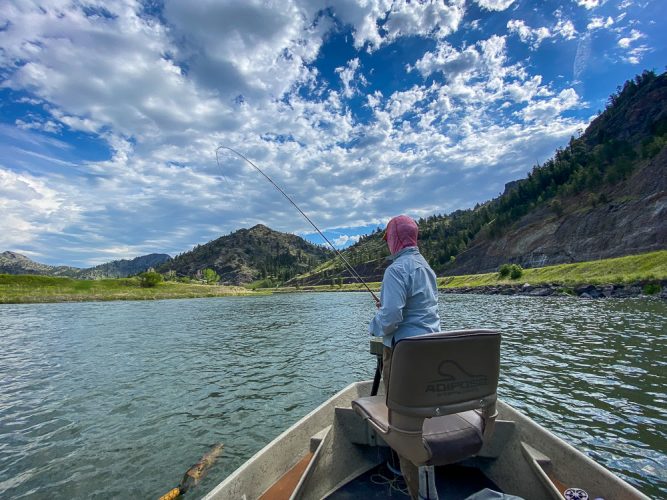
(16, 289)
(617, 271)
(649, 267)
(622, 270)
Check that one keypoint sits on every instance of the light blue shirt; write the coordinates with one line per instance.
(409, 298)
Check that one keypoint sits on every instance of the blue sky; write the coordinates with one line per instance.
(110, 112)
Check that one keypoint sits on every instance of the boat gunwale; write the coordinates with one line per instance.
(282, 436)
(526, 427)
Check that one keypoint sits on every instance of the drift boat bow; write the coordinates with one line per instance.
(441, 411)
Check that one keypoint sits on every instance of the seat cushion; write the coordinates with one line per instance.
(452, 438)
(375, 409)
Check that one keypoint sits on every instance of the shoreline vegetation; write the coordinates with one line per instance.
(31, 289)
(633, 275)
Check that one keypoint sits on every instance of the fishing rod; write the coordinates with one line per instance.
(350, 268)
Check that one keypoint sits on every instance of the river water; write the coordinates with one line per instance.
(119, 399)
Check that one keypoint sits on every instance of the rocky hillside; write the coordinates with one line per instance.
(611, 202)
(603, 195)
(623, 219)
(15, 263)
(251, 254)
(123, 268)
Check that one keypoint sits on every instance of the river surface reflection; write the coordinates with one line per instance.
(114, 399)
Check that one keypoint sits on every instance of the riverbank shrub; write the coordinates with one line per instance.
(150, 279)
(651, 289)
(210, 276)
(512, 271)
(504, 271)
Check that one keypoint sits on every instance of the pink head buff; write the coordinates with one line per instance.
(401, 233)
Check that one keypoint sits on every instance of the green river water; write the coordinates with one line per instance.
(119, 399)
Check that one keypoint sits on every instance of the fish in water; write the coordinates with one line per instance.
(195, 473)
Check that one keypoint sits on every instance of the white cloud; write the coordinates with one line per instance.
(437, 19)
(30, 208)
(400, 18)
(38, 124)
(163, 97)
(625, 42)
(347, 76)
(531, 36)
(599, 22)
(252, 48)
(548, 109)
(565, 29)
(494, 4)
(449, 61)
(634, 55)
(590, 4)
(345, 240)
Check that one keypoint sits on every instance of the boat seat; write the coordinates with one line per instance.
(440, 403)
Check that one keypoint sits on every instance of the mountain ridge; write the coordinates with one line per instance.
(248, 255)
(16, 263)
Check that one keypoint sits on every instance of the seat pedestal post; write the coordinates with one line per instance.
(427, 489)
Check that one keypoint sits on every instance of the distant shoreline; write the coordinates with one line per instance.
(586, 291)
(622, 277)
(31, 289)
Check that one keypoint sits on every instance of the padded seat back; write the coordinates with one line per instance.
(440, 404)
(443, 373)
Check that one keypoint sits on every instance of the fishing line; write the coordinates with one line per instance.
(350, 268)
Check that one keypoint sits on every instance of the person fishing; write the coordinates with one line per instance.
(408, 306)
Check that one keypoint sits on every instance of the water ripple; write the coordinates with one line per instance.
(118, 399)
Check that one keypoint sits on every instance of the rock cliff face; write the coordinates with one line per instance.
(633, 220)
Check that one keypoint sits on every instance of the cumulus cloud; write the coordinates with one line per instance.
(534, 37)
(376, 22)
(30, 208)
(449, 61)
(38, 124)
(437, 19)
(344, 240)
(347, 76)
(565, 29)
(633, 55)
(599, 22)
(531, 36)
(494, 4)
(249, 48)
(174, 85)
(625, 42)
(590, 4)
(547, 109)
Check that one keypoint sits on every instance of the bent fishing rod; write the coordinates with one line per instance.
(349, 267)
